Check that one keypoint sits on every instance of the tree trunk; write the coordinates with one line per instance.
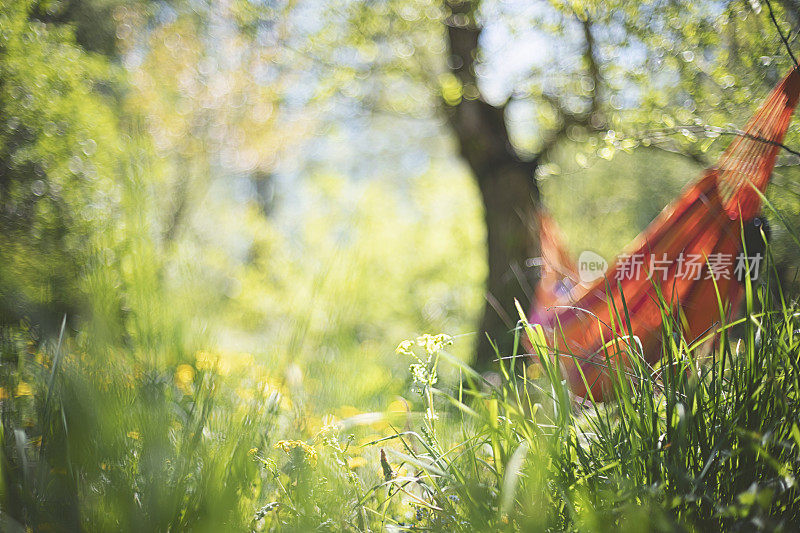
(507, 183)
(508, 190)
(510, 199)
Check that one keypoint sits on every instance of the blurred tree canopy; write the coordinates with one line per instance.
(274, 193)
(523, 85)
(60, 149)
(92, 21)
(243, 117)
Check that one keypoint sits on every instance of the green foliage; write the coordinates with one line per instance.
(93, 21)
(634, 186)
(97, 443)
(209, 330)
(320, 301)
(59, 153)
(696, 443)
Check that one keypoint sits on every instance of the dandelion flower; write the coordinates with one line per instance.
(184, 377)
(23, 389)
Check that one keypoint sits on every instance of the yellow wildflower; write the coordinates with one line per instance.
(23, 389)
(308, 451)
(184, 377)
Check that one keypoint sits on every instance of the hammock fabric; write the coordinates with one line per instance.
(678, 257)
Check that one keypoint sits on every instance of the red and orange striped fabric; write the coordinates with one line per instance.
(704, 223)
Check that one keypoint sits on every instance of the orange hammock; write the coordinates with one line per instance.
(691, 251)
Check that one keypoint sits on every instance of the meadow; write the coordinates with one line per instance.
(99, 437)
(245, 248)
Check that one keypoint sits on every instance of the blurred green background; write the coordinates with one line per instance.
(260, 199)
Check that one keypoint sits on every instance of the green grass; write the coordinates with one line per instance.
(95, 438)
(228, 366)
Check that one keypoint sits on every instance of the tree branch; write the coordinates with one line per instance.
(780, 32)
(593, 68)
(481, 128)
(591, 119)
